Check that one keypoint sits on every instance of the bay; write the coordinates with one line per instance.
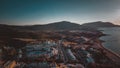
(112, 40)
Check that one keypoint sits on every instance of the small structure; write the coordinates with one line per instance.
(70, 55)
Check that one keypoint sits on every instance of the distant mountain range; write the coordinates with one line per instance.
(9, 32)
(99, 24)
(63, 25)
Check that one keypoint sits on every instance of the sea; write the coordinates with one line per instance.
(112, 40)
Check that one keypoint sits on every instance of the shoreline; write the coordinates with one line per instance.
(102, 41)
(110, 51)
(114, 56)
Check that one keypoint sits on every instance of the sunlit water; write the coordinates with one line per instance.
(112, 41)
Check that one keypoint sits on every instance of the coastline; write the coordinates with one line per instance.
(111, 54)
(110, 51)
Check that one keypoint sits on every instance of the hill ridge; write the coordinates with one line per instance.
(62, 25)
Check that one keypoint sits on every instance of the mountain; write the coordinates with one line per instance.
(99, 24)
(9, 32)
(63, 25)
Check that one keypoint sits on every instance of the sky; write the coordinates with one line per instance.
(29, 12)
